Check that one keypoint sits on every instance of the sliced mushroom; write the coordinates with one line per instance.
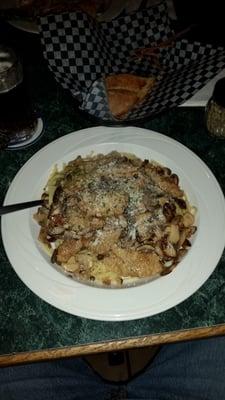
(188, 219)
(191, 230)
(168, 263)
(169, 211)
(145, 248)
(181, 203)
(168, 249)
(174, 178)
(173, 233)
(180, 255)
(54, 257)
(187, 243)
(177, 220)
(183, 236)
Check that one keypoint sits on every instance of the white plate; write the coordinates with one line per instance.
(24, 25)
(19, 231)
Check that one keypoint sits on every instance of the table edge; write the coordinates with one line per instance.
(114, 345)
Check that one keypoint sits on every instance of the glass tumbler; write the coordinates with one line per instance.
(17, 118)
(215, 110)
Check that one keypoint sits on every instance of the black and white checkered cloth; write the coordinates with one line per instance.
(81, 51)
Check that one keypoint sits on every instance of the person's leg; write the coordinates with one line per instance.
(70, 379)
(184, 371)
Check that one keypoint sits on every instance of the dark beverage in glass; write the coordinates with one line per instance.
(17, 118)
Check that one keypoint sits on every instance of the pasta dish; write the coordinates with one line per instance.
(115, 220)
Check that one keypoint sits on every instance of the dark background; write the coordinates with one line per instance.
(208, 17)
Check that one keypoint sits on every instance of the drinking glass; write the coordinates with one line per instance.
(18, 120)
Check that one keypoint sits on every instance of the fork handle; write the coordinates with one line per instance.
(19, 206)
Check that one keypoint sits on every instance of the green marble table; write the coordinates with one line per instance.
(31, 329)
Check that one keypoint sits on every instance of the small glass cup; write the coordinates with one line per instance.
(215, 110)
(18, 120)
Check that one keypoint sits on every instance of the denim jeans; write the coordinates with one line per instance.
(183, 371)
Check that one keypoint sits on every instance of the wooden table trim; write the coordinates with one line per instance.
(115, 345)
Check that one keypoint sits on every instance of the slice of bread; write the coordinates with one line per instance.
(125, 91)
